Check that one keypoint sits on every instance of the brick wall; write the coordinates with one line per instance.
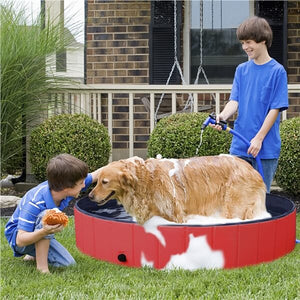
(293, 63)
(118, 53)
(117, 41)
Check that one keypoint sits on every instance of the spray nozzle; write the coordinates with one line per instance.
(211, 119)
(205, 123)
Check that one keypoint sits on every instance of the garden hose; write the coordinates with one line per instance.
(211, 119)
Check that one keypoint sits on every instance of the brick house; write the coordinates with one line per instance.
(135, 42)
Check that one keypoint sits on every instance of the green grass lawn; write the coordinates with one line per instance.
(94, 279)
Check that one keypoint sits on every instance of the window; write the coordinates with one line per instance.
(61, 61)
(221, 51)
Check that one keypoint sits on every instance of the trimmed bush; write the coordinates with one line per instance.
(178, 136)
(77, 134)
(288, 171)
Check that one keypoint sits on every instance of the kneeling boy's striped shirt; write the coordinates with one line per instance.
(32, 204)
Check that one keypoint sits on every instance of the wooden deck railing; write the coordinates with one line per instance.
(88, 98)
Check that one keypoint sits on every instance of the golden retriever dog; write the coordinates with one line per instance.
(176, 188)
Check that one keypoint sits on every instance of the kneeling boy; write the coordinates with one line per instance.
(26, 233)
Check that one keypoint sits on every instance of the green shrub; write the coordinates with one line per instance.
(178, 136)
(77, 134)
(288, 171)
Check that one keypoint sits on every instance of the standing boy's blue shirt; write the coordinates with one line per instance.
(258, 89)
(31, 205)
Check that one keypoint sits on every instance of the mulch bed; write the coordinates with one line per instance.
(70, 209)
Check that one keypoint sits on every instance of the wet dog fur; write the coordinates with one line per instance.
(176, 188)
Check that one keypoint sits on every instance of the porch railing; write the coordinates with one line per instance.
(87, 99)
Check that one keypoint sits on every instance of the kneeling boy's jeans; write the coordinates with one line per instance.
(58, 255)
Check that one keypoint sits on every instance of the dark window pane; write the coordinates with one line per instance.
(221, 54)
(221, 51)
(61, 62)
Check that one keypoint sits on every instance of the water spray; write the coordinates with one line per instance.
(211, 119)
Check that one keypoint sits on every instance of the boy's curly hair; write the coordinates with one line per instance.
(256, 29)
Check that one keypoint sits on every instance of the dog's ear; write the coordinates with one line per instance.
(127, 179)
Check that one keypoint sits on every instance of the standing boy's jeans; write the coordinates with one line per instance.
(269, 167)
(58, 255)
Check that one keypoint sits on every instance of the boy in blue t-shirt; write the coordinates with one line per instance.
(26, 233)
(259, 93)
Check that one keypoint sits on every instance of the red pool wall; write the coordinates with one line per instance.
(242, 244)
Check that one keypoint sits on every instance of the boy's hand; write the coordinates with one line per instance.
(218, 119)
(51, 229)
(255, 146)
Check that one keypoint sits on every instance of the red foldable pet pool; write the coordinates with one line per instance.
(108, 233)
